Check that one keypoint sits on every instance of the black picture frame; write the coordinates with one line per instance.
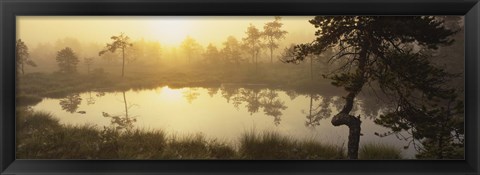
(11, 8)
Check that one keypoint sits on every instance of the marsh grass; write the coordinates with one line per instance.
(197, 147)
(40, 136)
(272, 145)
(379, 151)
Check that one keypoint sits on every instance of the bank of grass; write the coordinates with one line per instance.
(197, 147)
(40, 136)
(371, 151)
(272, 145)
(58, 85)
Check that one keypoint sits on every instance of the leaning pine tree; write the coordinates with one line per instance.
(365, 45)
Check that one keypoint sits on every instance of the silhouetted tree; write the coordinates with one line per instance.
(212, 55)
(119, 42)
(253, 43)
(67, 60)
(88, 62)
(451, 57)
(426, 107)
(272, 33)
(22, 56)
(232, 50)
(190, 47)
(367, 43)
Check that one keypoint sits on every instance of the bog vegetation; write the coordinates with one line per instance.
(41, 136)
(414, 62)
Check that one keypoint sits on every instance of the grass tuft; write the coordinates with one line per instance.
(378, 151)
(271, 145)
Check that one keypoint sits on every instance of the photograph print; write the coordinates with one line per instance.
(240, 87)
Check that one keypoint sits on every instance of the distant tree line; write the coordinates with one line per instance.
(234, 51)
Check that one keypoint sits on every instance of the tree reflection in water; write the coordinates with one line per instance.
(70, 102)
(313, 114)
(252, 99)
(256, 99)
(272, 105)
(122, 121)
(320, 108)
(191, 94)
(91, 100)
(212, 91)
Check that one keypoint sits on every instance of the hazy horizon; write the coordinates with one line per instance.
(170, 31)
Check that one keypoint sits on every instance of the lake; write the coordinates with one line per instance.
(224, 113)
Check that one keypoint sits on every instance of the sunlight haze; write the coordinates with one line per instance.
(168, 30)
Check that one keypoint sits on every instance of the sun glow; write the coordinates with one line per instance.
(171, 94)
(170, 31)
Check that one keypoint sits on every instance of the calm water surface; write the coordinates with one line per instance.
(224, 113)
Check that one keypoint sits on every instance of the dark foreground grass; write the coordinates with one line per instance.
(272, 145)
(40, 136)
(379, 151)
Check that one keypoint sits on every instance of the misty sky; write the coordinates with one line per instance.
(168, 30)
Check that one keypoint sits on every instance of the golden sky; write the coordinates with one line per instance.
(168, 30)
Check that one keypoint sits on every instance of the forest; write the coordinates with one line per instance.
(355, 87)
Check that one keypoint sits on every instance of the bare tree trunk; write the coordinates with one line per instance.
(271, 55)
(344, 117)
(311, 105)
(123, 62)
(126, 106)
(23, 72)
(353, 123)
